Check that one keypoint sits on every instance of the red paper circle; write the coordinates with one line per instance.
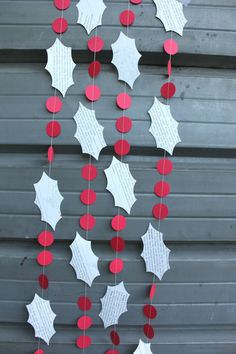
(51, 154)
(115, 338)
(95, 44)
(162, 189)
(117, 244)
(54, 104)
(169, 68)
(152, 291)
(116, 266)
(124, 124)
(112, 351)
(84, 322)
(62, 4)
(123, 101)
(45, 258)
(168, 90)
(83, 342)
(150, 311)
(171, 46)
(164, 166)
(148, 331)
(43, 281)
(127, 18)
(60, 25)
(118, 223)
(45, 238)
(93, 93)
(160, 211)
(94, 68)
(39, 351)
(53, 129)
(87, 222)
(122, 147)
(136, 2)
(84, 303)
(89, 172)
(88, 197)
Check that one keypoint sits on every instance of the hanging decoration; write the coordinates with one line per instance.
(90, 13)
(143, 348)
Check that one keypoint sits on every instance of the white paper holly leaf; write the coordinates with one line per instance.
(60, 65)
(164, 127)
(114, 303)
(41, 318)
(84, 261)
(89, 132)
(126, 58)
(120, 183)
(48, 199)
(143, 348)
(90, 13)
(170, 12)
(155, 253)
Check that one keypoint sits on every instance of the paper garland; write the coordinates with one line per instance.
(143, 348)
(90, 13)
(84, 261)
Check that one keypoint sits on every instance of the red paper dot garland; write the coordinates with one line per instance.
(83, 342)
(115, 338)
(122, 147)
(45, 258)
(62, 4)
(94, 69)
(124, 124)
(148, 331)
(60, 25)
(89, 172)
(116, 266)
(45, 238)
(54, 104)
(43, 281)
(84, 322)
(95, 44)
(84, 303)
(53, 129)
(127, 18)
(88, 197)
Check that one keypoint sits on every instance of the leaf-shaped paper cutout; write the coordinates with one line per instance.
(126, 58)
(164, 128)
(60, 65)
(114, 303)
(143, 348)
(120, 183)
(89, 132)
(48, 199)
(84, 261)
(170, 12)
(41, 318)
(90, 13)
(155, 253)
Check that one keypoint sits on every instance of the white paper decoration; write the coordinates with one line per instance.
(120, 183)
(48, 199)
(60, 65)
(155, 253)
(126, 58)
(163, 127)
(90, 13)
(84, 261)
(143, 348)
(41, 318)
(89, 132)
(170, 12)
(114, 303)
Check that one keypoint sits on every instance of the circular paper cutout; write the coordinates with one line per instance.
(95, 44)
(122, 147)
(152, 291)
(53, 129)
(45, 258)
(93, 93)
(116, 266)
(162, 189)
(45, 238)
(84, 303)
(62, 4)
(168, 90)
(123, 101)
(127, 18)
(83, 342)
(117, 244)
(164, 166)
(84, 322)
(94, 68)
(39, 351)
(118, 223)
(115, 338)
(171, 46)
(150, 311)
(112, 351)
(43, 281)
(60, 25)
(54, 104)
(87, 222)
(89, 172)
(124, 124)
(148, 331)
(160, 211)
(136, 2)
(51, 154)
(88, 197)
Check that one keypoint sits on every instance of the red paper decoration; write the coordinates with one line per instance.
(164, 166)
(123, 101)
(87, 222)
(127, 18)
(94, 68)
(117, 244)
(51, 154)
(88, 197)
(171, 46)
(43, 281)
(53, 129)
(168, 90)
(54, 104)
(112, 351)
(150, 311)
(118, 223)
(169, 68)
(136, 2)
(160, 211)
(84, 322)
(162, 189)
(83, 342)
(89, 172)
(39, 351)
(45, 238)
(45, 258)
(84, 303)
(116, 266)
(124, 124)
(148, 331)
(62, 4)
(60, 25)
(93, 93)
(95, 44)
(115, 338)
(122, 147)
(152, 291)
